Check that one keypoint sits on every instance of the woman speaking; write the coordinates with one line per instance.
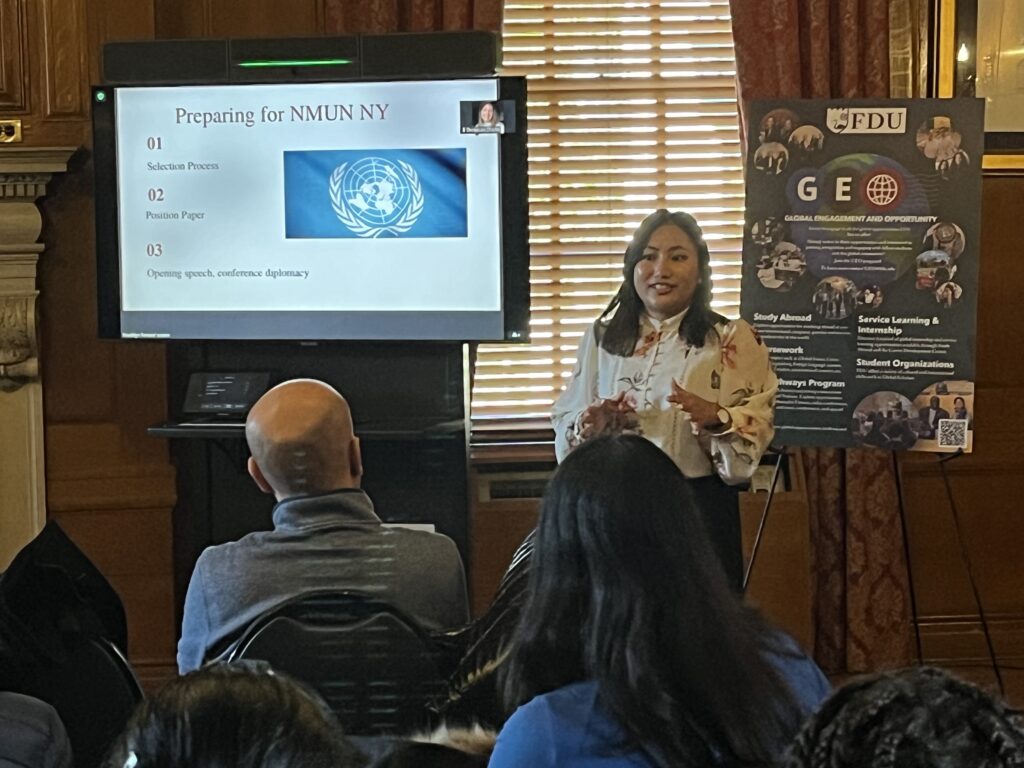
(660, 363)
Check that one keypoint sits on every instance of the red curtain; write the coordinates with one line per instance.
(342, 17)
(838, 49)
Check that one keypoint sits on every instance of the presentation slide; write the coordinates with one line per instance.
(356, 200)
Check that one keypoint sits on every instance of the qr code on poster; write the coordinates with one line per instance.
(952, 433)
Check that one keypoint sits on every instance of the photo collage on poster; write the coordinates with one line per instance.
(860, 267)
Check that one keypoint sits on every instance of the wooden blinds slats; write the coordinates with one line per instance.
(631, 107)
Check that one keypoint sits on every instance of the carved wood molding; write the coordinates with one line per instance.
(33, 160)
(24, 174)
(18, 350)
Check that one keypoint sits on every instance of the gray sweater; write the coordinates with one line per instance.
(326, 541)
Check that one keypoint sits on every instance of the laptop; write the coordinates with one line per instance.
(219, 398)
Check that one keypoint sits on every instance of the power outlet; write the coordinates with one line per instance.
(10, 131)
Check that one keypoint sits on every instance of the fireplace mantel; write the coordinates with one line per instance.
(25, 173)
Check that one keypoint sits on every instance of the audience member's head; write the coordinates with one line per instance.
(301, 439)
(32, 734)
(625, 590)
(917, 718)
(232, 715)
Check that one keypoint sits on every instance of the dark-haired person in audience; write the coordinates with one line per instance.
(660, 362)
(631, 649)
(326, 534)
(233, 715)
(472, 695)
(31, 734)
(916, 718)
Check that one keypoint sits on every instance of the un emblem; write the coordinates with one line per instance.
(373, 196)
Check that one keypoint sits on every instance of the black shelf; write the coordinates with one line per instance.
(212, 430)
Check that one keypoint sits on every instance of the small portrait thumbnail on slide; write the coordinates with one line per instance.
(375, 193)
(487, 116)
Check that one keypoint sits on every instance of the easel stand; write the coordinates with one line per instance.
(783, 457)
(964, 555)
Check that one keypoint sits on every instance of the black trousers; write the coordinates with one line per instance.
(719, 508)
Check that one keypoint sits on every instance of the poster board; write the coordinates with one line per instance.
(860, 267)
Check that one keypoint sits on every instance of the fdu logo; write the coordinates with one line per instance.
(375, 193)
(866, 119)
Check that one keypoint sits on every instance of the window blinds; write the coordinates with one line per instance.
(631, 107)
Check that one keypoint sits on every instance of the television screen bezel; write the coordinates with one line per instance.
(515, 250)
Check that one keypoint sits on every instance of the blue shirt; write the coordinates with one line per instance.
(571, 728)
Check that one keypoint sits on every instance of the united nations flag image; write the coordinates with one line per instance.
(375, 193)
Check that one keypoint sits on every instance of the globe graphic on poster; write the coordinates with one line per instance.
(882, 190)
(376, 191)
(857, 196)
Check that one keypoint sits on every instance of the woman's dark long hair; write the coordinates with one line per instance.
(237, 715)
(625, 590)
(619, 325)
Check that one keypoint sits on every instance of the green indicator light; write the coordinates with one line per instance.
(296, 63)
(101, 95)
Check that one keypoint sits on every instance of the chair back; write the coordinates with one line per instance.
(374, 665)
(94, 691)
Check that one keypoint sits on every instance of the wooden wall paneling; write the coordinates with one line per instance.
(266, 18)
(66, 59)
(81, 385)
(115, 20)
(132, 548)
(108, 484)
(985, 487)
(63, 43)
(780, 582)
(116, 504)
(99, 398)
(140, 373)
(1001, 285)
(77, 367)
(56, 107)
(497, 528)
(13, 69)
(179, 19)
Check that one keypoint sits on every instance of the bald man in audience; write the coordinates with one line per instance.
(326, 534)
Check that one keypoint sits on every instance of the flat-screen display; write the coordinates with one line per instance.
(313, 211)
